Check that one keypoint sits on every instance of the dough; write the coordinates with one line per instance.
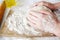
(16, 24)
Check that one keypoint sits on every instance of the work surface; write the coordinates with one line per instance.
(36, 38)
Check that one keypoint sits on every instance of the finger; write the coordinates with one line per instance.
(36, 20)
(34, 23)
(33, 14)
(32, 17)
(31, 23)
(36, 14)
(47, 4)
(40, 3)
(33, 20)
(50, 14)
(37, 4)
(40, 16)
(42, 12)
(36, 26)
(45, 12)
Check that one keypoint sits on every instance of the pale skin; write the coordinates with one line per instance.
(34, 15)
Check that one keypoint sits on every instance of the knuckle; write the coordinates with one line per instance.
(41, 3)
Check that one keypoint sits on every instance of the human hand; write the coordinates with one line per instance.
(42, 19)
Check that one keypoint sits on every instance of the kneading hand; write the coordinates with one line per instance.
(42, 19)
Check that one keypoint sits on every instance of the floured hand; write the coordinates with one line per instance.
(42, 18)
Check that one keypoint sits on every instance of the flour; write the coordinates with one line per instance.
(17, 22)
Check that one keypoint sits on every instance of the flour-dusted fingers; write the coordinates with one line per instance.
(45, 12)
(35, 25)
(52, 15)
(34, 19)
(30, 23)
(31, 19)
(44, 3)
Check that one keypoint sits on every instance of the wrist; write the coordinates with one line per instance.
(57, 5)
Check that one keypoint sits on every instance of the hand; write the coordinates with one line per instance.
(42, 20)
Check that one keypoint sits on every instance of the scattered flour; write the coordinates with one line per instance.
(17, 22)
